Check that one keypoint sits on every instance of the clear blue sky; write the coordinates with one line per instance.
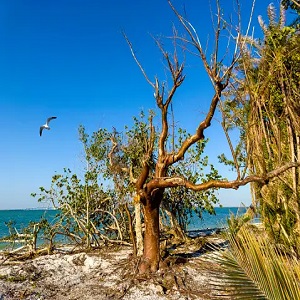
(69, 59)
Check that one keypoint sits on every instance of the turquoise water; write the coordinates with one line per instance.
(218, 220)
(22, 218)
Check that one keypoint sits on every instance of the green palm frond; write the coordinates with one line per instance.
(253, 269)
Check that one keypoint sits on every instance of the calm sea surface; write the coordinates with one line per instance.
(21, 218)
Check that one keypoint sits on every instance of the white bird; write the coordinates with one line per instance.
(46, 126)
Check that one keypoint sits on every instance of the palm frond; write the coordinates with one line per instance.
(254, 269)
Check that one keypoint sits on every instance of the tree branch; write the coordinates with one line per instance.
(137, 61)
(168, 182)
(176, 70)
(219, 81)
(199, 135)
(148, 157)
(194, 37)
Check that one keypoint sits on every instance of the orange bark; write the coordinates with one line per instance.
(151, 255)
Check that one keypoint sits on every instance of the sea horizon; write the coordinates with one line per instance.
(53, 208)
(30, 208)
(23, 216)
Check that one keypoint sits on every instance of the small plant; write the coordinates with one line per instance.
(236, 222)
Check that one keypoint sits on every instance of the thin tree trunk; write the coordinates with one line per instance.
(138, 228)
(131, 231)
(88, 239)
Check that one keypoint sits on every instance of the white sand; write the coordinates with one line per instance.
(101, 275)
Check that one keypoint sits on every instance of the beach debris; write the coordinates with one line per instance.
(46, 126)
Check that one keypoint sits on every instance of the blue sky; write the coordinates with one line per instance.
(69, 59)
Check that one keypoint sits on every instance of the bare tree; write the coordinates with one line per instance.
(150, 186)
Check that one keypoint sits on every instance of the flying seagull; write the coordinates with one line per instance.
(46, 126)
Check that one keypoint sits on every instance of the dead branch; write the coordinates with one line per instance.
(219, 81)
(176, 71)
(199, 135)
(137, 61)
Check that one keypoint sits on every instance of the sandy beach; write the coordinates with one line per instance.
(107, 273)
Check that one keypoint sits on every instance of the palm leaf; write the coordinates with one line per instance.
(253, 269)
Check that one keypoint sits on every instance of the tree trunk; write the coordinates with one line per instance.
(151, 255)
(131, 231)
(138, 227)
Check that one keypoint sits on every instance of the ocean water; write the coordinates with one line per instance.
(219, 220)
(22, 218)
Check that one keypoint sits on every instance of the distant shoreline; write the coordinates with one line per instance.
(33, 208)
(52, 208)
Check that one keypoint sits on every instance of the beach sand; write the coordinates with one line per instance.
(108, 273)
